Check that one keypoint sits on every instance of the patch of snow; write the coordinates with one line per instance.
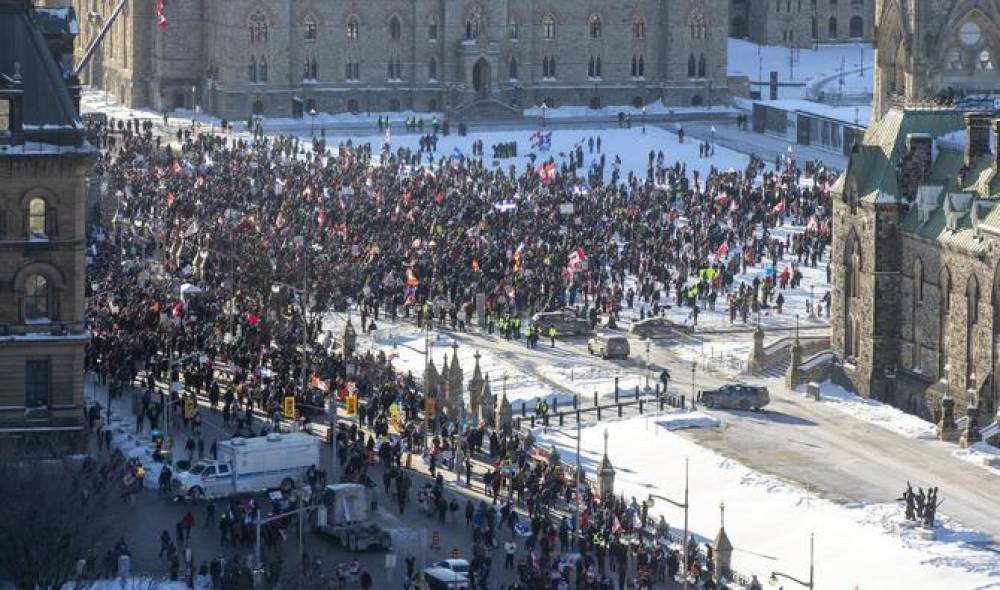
(681, 419)
(875, 412)
(982, 455)
(810, 65)
(769, 520)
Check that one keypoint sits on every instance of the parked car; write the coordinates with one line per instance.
(440, 578)
(565, 321)
(609, 346)
(459, 566)
(657, 327)
(735, 397)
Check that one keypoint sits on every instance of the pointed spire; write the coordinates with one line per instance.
(477, 374)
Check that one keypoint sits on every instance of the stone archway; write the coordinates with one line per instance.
(481, 77)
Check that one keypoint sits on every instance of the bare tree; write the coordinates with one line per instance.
(54, 512)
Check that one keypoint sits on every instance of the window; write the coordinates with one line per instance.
(549, 27)
(352, 71)
(985, 61)
(692, 66)
(309, 69)
(777, 5)
(697, 25)
(262, 69)
(352, 105)
(394, 29)
(701, 66)
(642, 67)
(548, 67)
(252, 70)
(37, 218)
(955, 59)
(258, 28)
(814, 29)
(36, 384)
(833, 2)
(432, 69)
(352, 28)
(944, 309)
(432, 30)
(4, 114)
(857, 4)
(972, 325)
(638, 28)
(832, 28)
(595, 27)
(512, 69)
(36, 299)
(310, 29)
(512, 30)
(857, 27)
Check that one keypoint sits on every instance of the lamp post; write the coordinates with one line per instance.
(312, 125)
(685, 505)
(544, 108)
(194, 90)
(644, 130)
(796, 327)
(694, 367)
(773, 580)
(647, 363)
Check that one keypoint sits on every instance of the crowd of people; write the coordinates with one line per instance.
(224, 253)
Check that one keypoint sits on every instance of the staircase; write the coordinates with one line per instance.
(777, 370)
(486, 108)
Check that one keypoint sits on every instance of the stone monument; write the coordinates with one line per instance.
(488, 404)
(723, 549)
(505, 416)
(475, 388)
(455, 403)
(947, 429)
(605, 473)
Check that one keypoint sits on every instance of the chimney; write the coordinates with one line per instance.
(978, 136)
(920, 153)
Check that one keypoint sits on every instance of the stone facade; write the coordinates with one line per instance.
(801, 23)
(923, 51)
(286, 58)
(44, 162)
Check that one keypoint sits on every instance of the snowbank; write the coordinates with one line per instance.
(981, 455)
(875, 412)
(769, 520)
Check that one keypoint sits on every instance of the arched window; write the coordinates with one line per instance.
(262, 69)
(590, 67)
(36, 299)
(697, 25)
(432, 30)
(916, 300)
(642, 67)
(549, 27)
(595, 27)
(814, 29)
(701, 65)
(831, 28)
(394, 29)
(513, 31)
(252, 70)
(313, 69)
(971, 327)
(352, 28)
(512, 69)
(955, 59)
(852, 292)
(597, 67)
(944, 315)
(258, 28)
(857, 27)
(635, 67)
(38, 219)
(985, 61)
(638, 28)
(309, 29)
(692, 66)
(432, 69)
(432, 105)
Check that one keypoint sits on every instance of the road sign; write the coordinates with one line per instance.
(288, 407)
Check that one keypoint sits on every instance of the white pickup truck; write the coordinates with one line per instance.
(248, 465)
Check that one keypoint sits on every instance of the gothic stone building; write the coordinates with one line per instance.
(44, 160)
(281, 58)
(916, 249)
(801, 23)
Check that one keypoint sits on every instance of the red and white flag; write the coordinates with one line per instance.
(161, 18)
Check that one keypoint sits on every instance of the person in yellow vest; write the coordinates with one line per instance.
(552, 335)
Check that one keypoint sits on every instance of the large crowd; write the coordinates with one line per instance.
(223, 254)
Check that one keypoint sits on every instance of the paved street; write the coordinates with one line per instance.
(142, 522)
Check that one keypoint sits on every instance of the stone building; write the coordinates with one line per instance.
(916, 248)
(44, 160)
(801, 23)
(285, 58)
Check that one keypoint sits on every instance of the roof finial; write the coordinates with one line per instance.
(17, 71)
(722, 513)
(605, 442)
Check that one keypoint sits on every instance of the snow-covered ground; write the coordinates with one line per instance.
(821, 66)
(769, 520)
(876, 412)
(981, 455)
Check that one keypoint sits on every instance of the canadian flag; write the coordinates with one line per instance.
(161, 19)
(576, 259)
(616, 527)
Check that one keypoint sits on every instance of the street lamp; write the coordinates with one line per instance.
(647, 364)
(773, 580)
(312, 126)
(644, 130)
(194, 90)
(694, 367)
(685, 505)
(544, 108)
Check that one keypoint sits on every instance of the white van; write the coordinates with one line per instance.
(248, 465)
